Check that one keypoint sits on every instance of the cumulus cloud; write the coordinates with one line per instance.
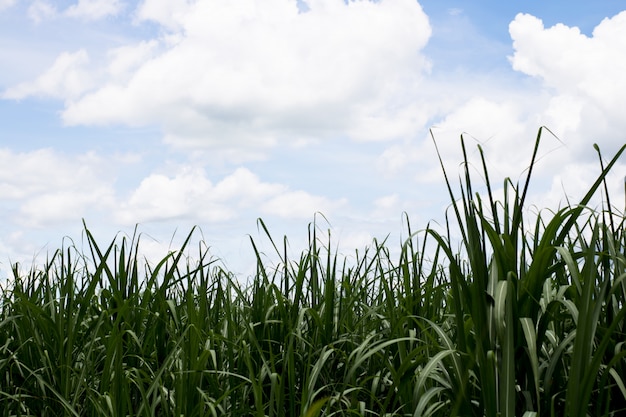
(190, 194)
(41, 10)
(573, 181)
(257, 73)
(584, 75)
(568, 60)
(68, 78)
(497, 124)
(171, 14)
(89, 10)
(48, 187)
(45, 187)
(388, 206)
(124, 60)
(94, 9)
(579, 96)
(300, 205)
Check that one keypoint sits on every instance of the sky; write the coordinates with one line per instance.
(169, 114)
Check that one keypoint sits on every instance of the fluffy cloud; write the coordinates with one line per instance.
(191, 195)
(46, 193)
(497, 124)
(44, 187)
(577, 91)
(94, 9)
(41, 10)
(66, 79)
(125, 60)
(48, 187)
(257, 74)
(300, 205)
(171, 14)
(568, 60)
(584, 75)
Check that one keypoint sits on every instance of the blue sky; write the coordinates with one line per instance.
(174, 113)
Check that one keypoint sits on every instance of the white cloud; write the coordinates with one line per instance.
(300, 205)
(47, 187)
(123, 61)
(580, 98)
(41, 10)
(68, 78)
(159, 197)
(575, 179)
(44, 188)
(190, 195)
(584, 74)
(168, 13)
(94, 9)
(258, 74)
(28, 173)
(53, 207)
(567, 59)
(351, 240)
(246, 186)
(388, 207)
(497, 124)
(5, 4)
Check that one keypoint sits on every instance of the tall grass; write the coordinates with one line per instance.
(526, 318)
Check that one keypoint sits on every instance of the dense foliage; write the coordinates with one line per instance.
(514, 322)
